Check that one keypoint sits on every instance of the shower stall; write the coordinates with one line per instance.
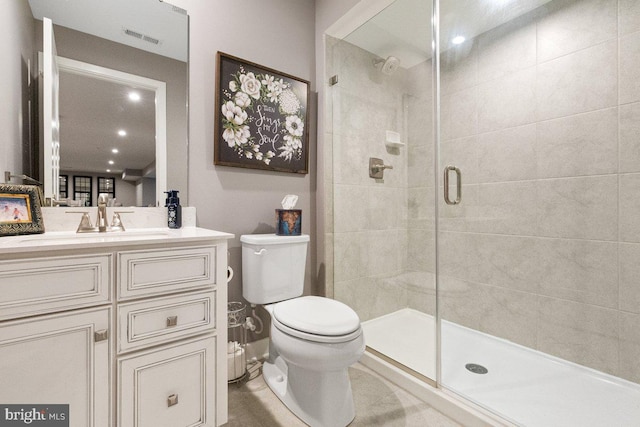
(498, 257)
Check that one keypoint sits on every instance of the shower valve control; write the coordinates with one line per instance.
(377, 167)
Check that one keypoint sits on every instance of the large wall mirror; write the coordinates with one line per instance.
(121, 73)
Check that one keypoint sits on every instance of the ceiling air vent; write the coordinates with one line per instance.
(141, 36)
(179, 10)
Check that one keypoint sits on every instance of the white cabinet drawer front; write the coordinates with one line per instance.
(154, 272)
(161, 320)
(36, 286)
(171, 387)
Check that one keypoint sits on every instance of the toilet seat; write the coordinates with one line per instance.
(316, 319)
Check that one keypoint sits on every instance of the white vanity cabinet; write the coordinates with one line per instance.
(128, 333)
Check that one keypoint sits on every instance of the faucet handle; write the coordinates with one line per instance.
(116, 221)
(85, 225)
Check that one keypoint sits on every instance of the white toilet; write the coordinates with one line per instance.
(313, 341)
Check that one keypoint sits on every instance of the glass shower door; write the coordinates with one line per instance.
(383, 218)
(538, 262)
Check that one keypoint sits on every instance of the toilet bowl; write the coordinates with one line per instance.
(313, 340)
(310, 353)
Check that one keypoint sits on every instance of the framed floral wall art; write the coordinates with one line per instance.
(262, 117)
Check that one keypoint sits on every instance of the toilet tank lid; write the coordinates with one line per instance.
(272, 239)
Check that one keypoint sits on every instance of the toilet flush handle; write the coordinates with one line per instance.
(260, 252)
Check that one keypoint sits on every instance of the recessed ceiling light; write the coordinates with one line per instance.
(122, 132)
(458, 40)
(111, 162)
(108, 170)
(114, 150)
(134, 96)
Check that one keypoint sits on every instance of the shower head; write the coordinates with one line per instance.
(387, 66)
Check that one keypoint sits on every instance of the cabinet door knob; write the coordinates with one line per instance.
(172, 400)
(100, 335)
(172, 320)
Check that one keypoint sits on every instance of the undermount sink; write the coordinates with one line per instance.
(114, 236)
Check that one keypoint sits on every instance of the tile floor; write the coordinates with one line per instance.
(378, 403)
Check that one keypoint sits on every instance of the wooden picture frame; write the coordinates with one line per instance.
(20, 211)
(261, 118)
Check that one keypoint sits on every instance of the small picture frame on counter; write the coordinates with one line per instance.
(20, 211)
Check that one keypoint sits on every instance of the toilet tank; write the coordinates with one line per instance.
(273, 267)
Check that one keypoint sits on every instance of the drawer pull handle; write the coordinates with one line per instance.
(172, 321)
(100, 335)
(172, 400)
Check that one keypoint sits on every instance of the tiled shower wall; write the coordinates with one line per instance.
(371, 238)
(542, 115)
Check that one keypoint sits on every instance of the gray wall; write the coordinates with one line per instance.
(16, 49)
(277, 34)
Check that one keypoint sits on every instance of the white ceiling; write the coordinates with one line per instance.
(403, 29)
(109, 18)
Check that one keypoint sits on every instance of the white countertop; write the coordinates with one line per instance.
(65, 240)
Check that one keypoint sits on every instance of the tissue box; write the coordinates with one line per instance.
(288, 222)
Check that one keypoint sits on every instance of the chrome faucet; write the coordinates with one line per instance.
(101, 222)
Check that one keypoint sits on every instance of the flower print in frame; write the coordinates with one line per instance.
(262, 117)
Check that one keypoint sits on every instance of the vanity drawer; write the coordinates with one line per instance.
(156, 272)
(171, 386)
(44, 285)
(160, 320)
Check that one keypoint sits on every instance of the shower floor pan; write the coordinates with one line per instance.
(525, 386)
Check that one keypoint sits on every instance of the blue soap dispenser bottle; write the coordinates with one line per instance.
(174, 210)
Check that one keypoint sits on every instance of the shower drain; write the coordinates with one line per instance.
(476, 369)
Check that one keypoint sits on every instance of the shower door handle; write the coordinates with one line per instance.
(458, 198)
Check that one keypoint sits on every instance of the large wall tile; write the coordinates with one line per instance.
(462, 153)
(420, 203)
(508, 101)
(506, 49)
(460, 301)
(584, 144)
(582, 81)
(351, 208)
(508, 314)
(384, 252)
(579, 270)
(630, 347)
(459, 68)
(581, 333)
(421, 250)
(350, 161)
(507, 155)
(350, 256)
(629, 208)
(459, 114)
(387, 208)
(571, 25)
(420, 166)
(457, 258)
(630, 277)
(629, 64)
(628, 16)
(506, 208)
(578, 208)
(630, 137)
(511, 262)
(460, 217)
